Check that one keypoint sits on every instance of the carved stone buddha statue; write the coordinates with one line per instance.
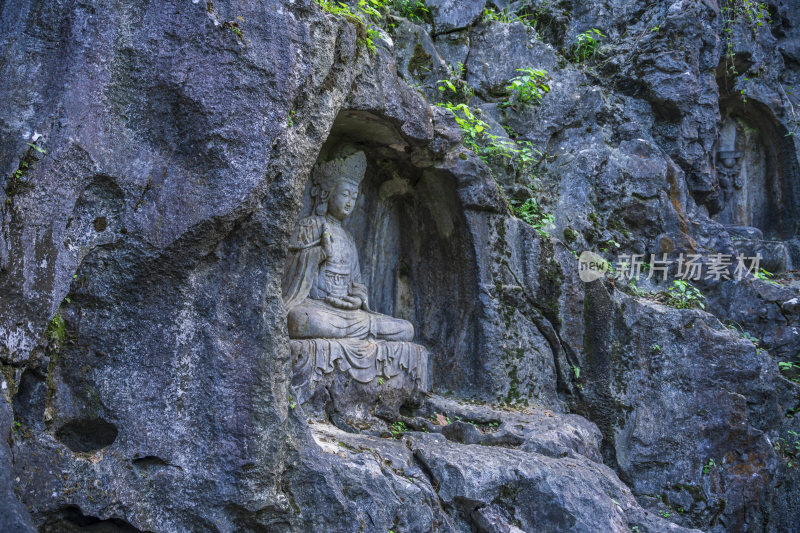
(746, 203)
(328, 315)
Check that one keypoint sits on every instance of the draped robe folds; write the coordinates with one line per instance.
(302, 265)
(358, 341)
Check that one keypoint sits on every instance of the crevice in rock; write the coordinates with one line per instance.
(286, 489)
(29, 401)
(494, 517)
(559, 348)
(467, 433)
(435, 484)
(151, 461)
(71, 519)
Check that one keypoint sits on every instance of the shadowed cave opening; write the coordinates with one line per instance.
(415, 250)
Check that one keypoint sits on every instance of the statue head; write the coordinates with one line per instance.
(335, 183)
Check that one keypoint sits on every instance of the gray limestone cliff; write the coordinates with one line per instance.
(155, 158)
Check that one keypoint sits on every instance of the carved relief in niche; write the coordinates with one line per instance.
(742, 171)
(758, 195)
(334, 331)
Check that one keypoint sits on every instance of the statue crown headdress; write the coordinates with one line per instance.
(349, 168)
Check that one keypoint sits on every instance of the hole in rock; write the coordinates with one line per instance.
(97, 215)
(415, 252)
(149, 461)
(29, 402)
(87, 435)
(409, 409)
(71, 519)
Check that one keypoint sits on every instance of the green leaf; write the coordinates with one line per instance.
(37, 148)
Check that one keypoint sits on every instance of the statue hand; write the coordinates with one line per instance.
(348, 302)
(355, 301)
(359, 291)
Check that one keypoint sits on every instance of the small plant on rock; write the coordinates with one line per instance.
(471, 126)
(609, 245)
(531, 213)
(397, 429)
(506, 16)
(455, 89)
(751, 13)
(57, 331)
(765, 275)
(367, 10)
(529, 87)
(790, 370)
(18, 183)
(789, 448)
(586, 45)
(736, 327)
(233, 25)
(519, 160)
(683, 295)
(413, 10)
(751, 338)
(636, 291)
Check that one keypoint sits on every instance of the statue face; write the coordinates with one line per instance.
(342, 200)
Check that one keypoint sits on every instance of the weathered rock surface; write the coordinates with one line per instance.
(155, 157)
(529, 491)
(491, 46)
(13, 514)
(553, 482)
(449, 15)
(689, 409)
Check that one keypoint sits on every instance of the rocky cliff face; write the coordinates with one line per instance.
(155, 157)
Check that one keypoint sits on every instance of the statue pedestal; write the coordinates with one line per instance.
(354, 371)
(750, 241)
